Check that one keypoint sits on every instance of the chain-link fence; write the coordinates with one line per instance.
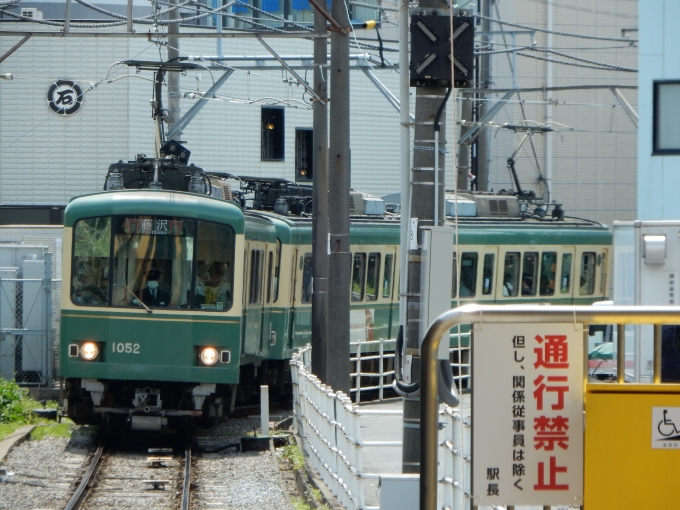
(28, 323)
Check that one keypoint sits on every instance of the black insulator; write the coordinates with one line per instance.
(558, 212)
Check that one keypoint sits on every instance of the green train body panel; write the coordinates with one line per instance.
(154, 202)
(257, 331)
(167, 346)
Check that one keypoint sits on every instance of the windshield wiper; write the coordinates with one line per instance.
(140, 301)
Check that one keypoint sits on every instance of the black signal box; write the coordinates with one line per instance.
(431, 50)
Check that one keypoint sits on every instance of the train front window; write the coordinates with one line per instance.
(91, 255)
(152, 261)
(214, 266)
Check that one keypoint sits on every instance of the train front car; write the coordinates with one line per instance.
(150, 329)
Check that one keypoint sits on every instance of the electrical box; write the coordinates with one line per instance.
(647, 273)
(436, 280)
(431, 57)
(399, 492)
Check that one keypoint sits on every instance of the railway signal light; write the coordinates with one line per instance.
(431, 57)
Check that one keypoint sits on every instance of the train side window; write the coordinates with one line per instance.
(511, 274)
(254, 296)
(603, 273)
(468, 274)
(358, 276)
(91, 255)
(529, 272)
(565, 282)
(270, 269)
(372, 276)
(306, 263)
(487, 274)
(587, 284)
(454, 278)
(387, 276)
(277, 271)
(548, 268)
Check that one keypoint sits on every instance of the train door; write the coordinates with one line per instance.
(390, 291)
(566, 272)
(292, 300)
(254, 301)
(266, 339)
(489, 274)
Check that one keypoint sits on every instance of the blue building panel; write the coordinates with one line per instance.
(272, 5)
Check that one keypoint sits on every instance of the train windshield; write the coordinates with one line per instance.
(157, 261)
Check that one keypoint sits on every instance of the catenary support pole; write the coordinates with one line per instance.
(339, 179)
(320, 246)
(428, 102)
(173, 78)
(405, 142)
(464, 149)
(484, 140)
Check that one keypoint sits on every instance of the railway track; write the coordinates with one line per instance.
(159, 480)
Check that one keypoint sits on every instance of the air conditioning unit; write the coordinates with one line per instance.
(497, 206)
(31, 12)
(363, 204)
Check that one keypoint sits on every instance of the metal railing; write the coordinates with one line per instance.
(384, 359)
(458, 457)
(330, 427)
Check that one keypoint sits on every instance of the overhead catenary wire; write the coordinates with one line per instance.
(556, 32)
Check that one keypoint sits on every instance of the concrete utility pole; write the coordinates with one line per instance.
(173, 78)
(339, 178)
(484, 139)
(464, 149)
(321, 361)
(423, 196)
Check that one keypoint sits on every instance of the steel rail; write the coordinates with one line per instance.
(78, 497)
(478, 314)
(186, 488)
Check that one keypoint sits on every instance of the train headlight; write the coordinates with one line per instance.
(209, 356)
(89, 351)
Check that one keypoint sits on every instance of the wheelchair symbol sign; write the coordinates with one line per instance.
(666, 428)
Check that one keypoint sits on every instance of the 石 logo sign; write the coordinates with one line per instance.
(65, 97)
(666, 427)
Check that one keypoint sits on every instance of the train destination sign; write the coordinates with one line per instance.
(527, 414)
(154, 226)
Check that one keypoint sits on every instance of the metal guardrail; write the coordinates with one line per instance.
(383, 378)
(330, 427)
(329, 423)
(458, 460)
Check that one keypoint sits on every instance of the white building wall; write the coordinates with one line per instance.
(47, 159)
(658, 176)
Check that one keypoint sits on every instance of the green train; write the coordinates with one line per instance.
(181, 296)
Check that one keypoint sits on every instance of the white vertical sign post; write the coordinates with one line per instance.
(527, 414)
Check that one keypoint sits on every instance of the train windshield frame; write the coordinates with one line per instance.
(162, 262)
